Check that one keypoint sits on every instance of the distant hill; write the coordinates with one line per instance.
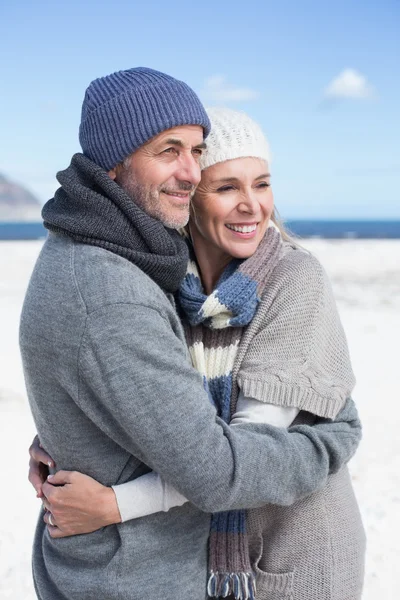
(17, 203)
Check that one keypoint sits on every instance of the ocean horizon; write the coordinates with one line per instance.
(303, 228)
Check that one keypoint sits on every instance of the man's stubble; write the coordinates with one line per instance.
(147, 197)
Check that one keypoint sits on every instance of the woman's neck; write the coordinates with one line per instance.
(211, 261)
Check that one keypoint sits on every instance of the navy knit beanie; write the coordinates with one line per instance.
(122, 111)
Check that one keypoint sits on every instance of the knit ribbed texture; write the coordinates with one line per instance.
(311, 550)
(285, 394)
(122, 111)
(92, 209)
(312, 369)
(233, 135)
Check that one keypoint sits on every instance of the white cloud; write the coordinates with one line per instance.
(349, 84)
(218, 89)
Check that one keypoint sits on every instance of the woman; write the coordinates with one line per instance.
(263, 330)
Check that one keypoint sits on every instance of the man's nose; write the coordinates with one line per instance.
(188, 169)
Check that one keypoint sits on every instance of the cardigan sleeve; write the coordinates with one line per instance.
(299, 355)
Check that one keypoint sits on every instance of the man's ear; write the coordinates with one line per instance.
(113, 173)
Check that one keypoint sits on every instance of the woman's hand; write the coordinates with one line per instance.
(76, 503)
(39, 465)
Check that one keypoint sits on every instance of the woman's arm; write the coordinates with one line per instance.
(150, 494)
(76, 503)
(87, 504)
(146, 495)
(140, 497)
(307, 454)
(249, 410)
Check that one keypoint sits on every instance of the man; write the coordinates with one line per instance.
(107, 371)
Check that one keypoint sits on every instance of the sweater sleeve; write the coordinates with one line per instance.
(299, 357)
(146, 495)
(150, 494)
(137, 386)
(249, 410)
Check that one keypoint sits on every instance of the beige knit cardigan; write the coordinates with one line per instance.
(313, 549)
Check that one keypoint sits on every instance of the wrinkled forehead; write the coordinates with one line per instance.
(186, 136)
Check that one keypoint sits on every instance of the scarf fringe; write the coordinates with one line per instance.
(241, 585)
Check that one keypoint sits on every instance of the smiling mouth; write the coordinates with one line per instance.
(242, 228)
(184, 196)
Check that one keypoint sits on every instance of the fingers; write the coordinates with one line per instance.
(36, 477)
(46, 504)
(50, 492)
(50, 483)
(39, 464)
(48, 518)
(53, 488)
(52, 528)
(61, 477)
(39, 455)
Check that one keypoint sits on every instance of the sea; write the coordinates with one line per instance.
(324, 229)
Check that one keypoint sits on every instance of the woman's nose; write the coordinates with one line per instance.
(248, 202)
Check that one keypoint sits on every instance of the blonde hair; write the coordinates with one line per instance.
(286, 234)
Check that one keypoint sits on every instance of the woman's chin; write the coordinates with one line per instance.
(243, 251)
(244, 248)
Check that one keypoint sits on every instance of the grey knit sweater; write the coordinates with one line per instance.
(113, 393)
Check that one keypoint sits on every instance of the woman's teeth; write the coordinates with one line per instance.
(243, 229)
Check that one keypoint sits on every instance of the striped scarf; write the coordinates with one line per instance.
(214, 326)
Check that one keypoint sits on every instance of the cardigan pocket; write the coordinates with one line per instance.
(274, 586)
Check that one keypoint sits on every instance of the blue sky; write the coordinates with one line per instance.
(322, 79)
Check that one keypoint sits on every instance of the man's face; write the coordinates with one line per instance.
(162, 175)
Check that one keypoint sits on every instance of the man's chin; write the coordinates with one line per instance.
(175, 223)
(176, 219)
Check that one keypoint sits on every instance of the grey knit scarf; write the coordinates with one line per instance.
(92, 209)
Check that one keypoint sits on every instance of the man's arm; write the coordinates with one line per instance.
(138, 387)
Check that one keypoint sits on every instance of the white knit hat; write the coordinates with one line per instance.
(233, 135)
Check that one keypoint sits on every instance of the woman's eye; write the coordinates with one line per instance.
(263, 184)
(225, 188)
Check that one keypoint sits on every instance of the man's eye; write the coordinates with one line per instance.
(169, 151)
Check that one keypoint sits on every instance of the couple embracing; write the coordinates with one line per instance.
(191, 388)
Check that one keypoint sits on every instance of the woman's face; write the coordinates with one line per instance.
(231, 208)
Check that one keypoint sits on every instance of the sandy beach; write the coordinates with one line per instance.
(366, 281)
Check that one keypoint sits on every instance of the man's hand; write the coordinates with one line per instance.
(76, 503)
(39, 465)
